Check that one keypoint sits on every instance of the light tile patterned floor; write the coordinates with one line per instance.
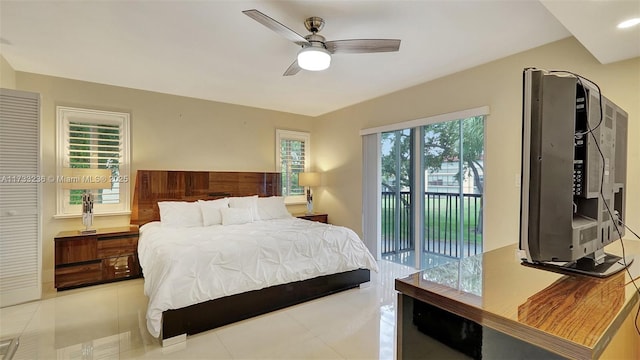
(108, 322)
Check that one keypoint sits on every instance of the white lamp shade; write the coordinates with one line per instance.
(86, 179)
(309, 179)
(314, 58)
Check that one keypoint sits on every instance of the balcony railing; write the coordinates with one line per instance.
(442, 234)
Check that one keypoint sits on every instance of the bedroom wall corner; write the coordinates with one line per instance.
(7, 74)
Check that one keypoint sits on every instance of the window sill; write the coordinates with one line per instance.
(112, 213)
(295, 202)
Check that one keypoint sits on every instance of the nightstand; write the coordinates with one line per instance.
(323, 218)
(110, 254)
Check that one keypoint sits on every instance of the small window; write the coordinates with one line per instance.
(99, 140)
(292, 158)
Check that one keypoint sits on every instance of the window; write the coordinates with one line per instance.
(292, 158)
(93, 139)
(440, 174)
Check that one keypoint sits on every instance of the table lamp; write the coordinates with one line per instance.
(86, 179)
(309, 179)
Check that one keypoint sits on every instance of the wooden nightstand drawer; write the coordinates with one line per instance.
(68, 276)
(75, 249)
(117, 246)
(323, 218)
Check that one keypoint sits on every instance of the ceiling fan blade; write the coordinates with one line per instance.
(358, 46)
(276, 26)
(293, 69)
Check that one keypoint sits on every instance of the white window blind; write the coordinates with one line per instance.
(99, 140)
(292, 155)
(99, 146)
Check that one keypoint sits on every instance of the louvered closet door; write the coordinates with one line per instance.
(20, 256)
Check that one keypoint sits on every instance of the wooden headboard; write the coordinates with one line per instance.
(163, 185)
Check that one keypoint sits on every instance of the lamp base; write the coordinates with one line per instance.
(87, 231)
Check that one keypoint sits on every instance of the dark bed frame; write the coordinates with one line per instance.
(152, 186)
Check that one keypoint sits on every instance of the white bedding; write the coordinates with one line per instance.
(186, 266)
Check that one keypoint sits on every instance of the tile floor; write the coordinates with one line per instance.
(108, 322)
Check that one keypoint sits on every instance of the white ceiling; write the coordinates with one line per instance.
(210, 50)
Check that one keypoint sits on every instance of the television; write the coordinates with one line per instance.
(574, 161)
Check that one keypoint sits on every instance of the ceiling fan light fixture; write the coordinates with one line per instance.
(314, 58)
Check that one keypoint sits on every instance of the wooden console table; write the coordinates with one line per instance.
(493, 307)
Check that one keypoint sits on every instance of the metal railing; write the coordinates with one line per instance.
(442, 234)
(397, 232)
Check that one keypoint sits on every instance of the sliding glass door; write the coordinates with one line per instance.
(431, 186)
(397, 240)
(453, 163)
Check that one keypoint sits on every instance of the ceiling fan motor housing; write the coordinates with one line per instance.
(315, 40)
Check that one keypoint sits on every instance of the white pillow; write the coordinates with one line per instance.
(235, 216)
(211, 210)
(272, 208)
(246, 202)
(180, 213)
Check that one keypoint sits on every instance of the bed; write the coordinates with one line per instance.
(232, 266)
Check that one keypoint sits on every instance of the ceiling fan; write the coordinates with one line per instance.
(315, 54)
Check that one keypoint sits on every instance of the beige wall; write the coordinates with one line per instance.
(337, 147)
(7, 74)
(167, 132)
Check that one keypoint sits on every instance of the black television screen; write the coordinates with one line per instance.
(574, 143)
